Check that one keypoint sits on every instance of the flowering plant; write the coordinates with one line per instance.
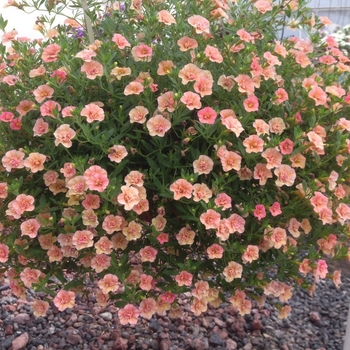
(342, 37)
(186, 151)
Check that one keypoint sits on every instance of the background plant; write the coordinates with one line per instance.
(186, 150)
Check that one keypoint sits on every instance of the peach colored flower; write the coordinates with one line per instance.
(134, 178)
(185, 236)
(148, 254)
(133, 88)
(50, 109)
(286, 146)
(30, 228)
(50, 53)
(147, 282)
(58, 187)
(232, 270)
(213, 54)
(210, 219)
(10, 80)
(200, 24)
(91, 201)
(40, 308)
(251, 254)
(190, 72)
(166, 18)
(215, 251)
(191, 100)
(117, 153)
(4, 252)
(138, 114)
(86, 55)
(187, 43)
(203, 165)
(235, 223)
(147, 308)
(226, 82)
(142, 52)
(120, 72)
(253, 144)
(277, 125)
(201, 290)
(92, 69)
(132, 231)
(278, 237)
(201, 192)
(165, 67)
(96, 178)
(55, 254)
(29, 276)
(119, 241)
(35, 162)
(281, 96)
(229, 160)
(120, 41)
(158, 125)
(159, 222)
(64, 134)
(42, 92)
(203, 85)
(89, 218)
(166, 102)
(318, 95)
(128, 314)
(181, 188)
(92, 112)
(251, 104)
(223, 201)
(343, 211)
(245, 84)
(50, 177)
(76, 185)
(113, 223)
(8, 36)
(199, 306)
(337, 278)
(100, 262)
(40, 127)
(245, 36)
(184, 278)
(129, 197)
(83, 239)
(64, 300)
(285, 175)
(273, 158)
(261, 127)
(298, 161)
(109, 283)
(37, 72)
(321, 270)
(263, 6)
(24, 107)
(13, 160)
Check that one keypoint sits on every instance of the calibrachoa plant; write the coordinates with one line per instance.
(186, 154)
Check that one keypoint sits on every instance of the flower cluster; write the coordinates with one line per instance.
(186, 153)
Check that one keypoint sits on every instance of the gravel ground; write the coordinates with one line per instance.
(316, 322)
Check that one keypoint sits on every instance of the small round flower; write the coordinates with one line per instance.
(207, 115)
(128, 314)
(203, 165)
(64, 300)
(40, 308)
(158, 125)
(109, 283)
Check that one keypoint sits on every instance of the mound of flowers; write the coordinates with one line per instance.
(186, 153)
